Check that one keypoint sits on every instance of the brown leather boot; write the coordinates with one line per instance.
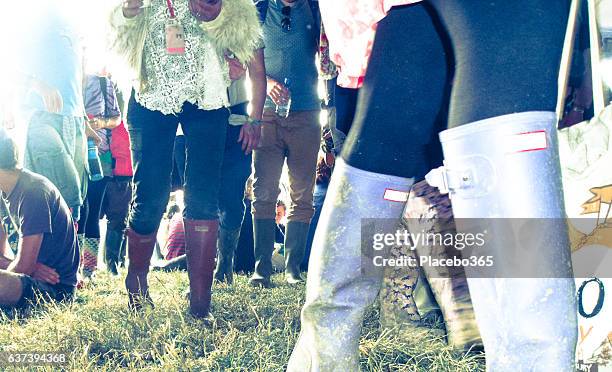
(201, 247)
(140, 249)
(428, 211)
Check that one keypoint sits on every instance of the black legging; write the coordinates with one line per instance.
(346, 103)
(500, 57)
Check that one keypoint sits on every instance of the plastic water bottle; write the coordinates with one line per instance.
(283, 110)
(95, 168)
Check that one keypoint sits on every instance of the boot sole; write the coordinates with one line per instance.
(260, 283)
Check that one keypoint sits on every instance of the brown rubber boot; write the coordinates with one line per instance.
(140, 250)
(201, 247)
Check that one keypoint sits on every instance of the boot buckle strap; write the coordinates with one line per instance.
(473, 179)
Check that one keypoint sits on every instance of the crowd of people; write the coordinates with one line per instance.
(177, 168)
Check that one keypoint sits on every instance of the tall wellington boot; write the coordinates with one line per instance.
(296, 235)
(342, 280)
(263, 236)
(201, 249)
(504, 179)
(140, 249)
(429, 212)
(226, 246)
(112, 247)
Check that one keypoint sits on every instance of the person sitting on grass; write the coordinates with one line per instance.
(47, 257)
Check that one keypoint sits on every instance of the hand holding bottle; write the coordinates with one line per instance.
(278, 92)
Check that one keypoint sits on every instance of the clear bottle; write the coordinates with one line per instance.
(95, 167)
(283, 110)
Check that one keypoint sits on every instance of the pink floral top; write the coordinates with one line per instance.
(350, 26)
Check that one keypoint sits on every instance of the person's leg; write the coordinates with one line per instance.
(11, 289)
(205, 133)
(504, 98)
(244, 258)
(79, 154)
(50, 152)
(268, 162)
(234, 174)
(152, 140)
(91, 240)
(346, 104)
(318, 198)
(81, 227)
(118, 195)
(396, 111)
(303, 137)
(21, 291)
(179, 158)
(429, 212)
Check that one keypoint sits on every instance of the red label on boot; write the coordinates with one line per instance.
(395, 196)
(528, 141)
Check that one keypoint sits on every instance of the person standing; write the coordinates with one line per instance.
(290, 36)
(102, 109)
(237, 164)
(178, 51)
(52, 68)
(501, 164)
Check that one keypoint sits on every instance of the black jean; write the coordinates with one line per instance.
(152, 142)
(117, 202)
(89, 224)
(235, 172)
(470, 59)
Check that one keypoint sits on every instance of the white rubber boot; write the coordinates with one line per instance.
(504, 173)
(339, 285)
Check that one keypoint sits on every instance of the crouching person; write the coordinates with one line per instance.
(47, 257)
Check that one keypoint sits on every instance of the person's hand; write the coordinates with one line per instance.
(250, 135)
(236, 69)
(278, 92)
(95, 123)
(90, 133)
(52, 99)
(45, 274)
(132, 8)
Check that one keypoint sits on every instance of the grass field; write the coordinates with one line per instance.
(255, 330)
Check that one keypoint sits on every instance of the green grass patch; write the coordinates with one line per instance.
(255, 330)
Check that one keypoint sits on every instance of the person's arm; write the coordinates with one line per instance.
(26, 261)
(27, 255)
(4, 246)
(257, 74)
(51, 97)
(34, 220)
(112, 111)
(3, 240)
(250, 133)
